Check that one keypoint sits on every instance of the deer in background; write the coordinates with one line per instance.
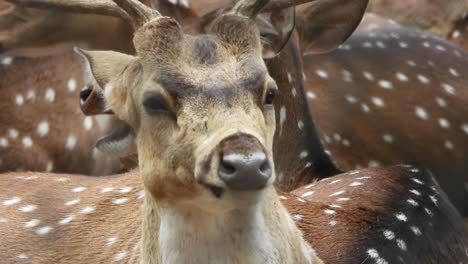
(410, 86)
(206, 171)
(41, 79)
(444, 18)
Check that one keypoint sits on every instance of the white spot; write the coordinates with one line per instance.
(301, 200)
(347, 76)
(412, 202)
(28, 208)
(353, 184)
(72, 202)
(303, 154)
(448, 88)
(390, 235)
(32, 223)
(343, 199)
(125, 190)
(282, 118)
(401, 77)
(49, 166)
(385, 84)
(418, 181)
(184, 3)
(27, 142)
(19, 100)
(300, 124)
(403, 44)
(332, 223)
(43, 128)
(337, 193)
(415, 192)
(13, 133)
(111, 240)
(465, 128)
(380, 44)
(311, 95)
(78, 189)
(429, 212)
(329, 212)
(401, 244)
(456, 34)
(378, 101)
(283, 197)
(444, 123)
(335, 181)
(365, 108)
(88, 123)
(423, 79)
(22, 256)
(3, 220)
(433, 199)
(12, 201)
(294, 92)
(322, 74)
(373, 164)
(388, 138)
(120, 200)
(369, 76)
(416, 230)
(107, 189)
(426, 44)
(441, 48)
(3, 142)
(31, 95)
(372, 253)
(50, 95)
(87, 210)
(401, 217)
(351, 99)
(298, 217)
(120, 256)
(71, 85)
(421, 113)
(448, 144)
(66, 220)
(6, 60)
(43, 230)
(441, 102)
(71, 142)
(454, 72)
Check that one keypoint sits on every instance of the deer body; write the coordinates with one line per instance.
(414, 94)
(142, 231)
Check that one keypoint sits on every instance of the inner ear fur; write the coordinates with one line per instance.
(325, 24)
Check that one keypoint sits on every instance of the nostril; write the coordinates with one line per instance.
(227, 167)
(265, 167)
(85, 93)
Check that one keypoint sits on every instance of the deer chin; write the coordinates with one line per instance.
(120, 143)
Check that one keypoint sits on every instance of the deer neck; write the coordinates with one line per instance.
(299, 154)
(262, 234)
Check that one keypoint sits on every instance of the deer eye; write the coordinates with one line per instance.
(156, 104)
(270, 96)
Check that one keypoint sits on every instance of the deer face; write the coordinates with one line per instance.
(199, 108)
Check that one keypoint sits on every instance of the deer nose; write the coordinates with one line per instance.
(244, 170)
(85, 93)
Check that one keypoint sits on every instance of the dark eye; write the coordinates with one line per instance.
(155, 104)
(270, 96)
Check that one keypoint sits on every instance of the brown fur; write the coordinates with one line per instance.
(353, 143)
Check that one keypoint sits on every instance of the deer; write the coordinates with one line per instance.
(205, 153)
(443, 18)
(430, 133)
(31, 139)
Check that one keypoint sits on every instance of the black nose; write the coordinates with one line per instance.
(244, 172)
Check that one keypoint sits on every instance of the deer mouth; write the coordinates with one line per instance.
(120, 143)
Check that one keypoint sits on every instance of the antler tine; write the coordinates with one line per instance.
(249, 8)
(138, 12)
(99, 7)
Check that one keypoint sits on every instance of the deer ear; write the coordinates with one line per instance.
(325, 24)
(275, 29)
(103, 71)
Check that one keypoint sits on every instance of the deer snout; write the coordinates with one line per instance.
(243, 164)
(92, 101)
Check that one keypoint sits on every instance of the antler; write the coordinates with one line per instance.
(251, 8)
(132, 11)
